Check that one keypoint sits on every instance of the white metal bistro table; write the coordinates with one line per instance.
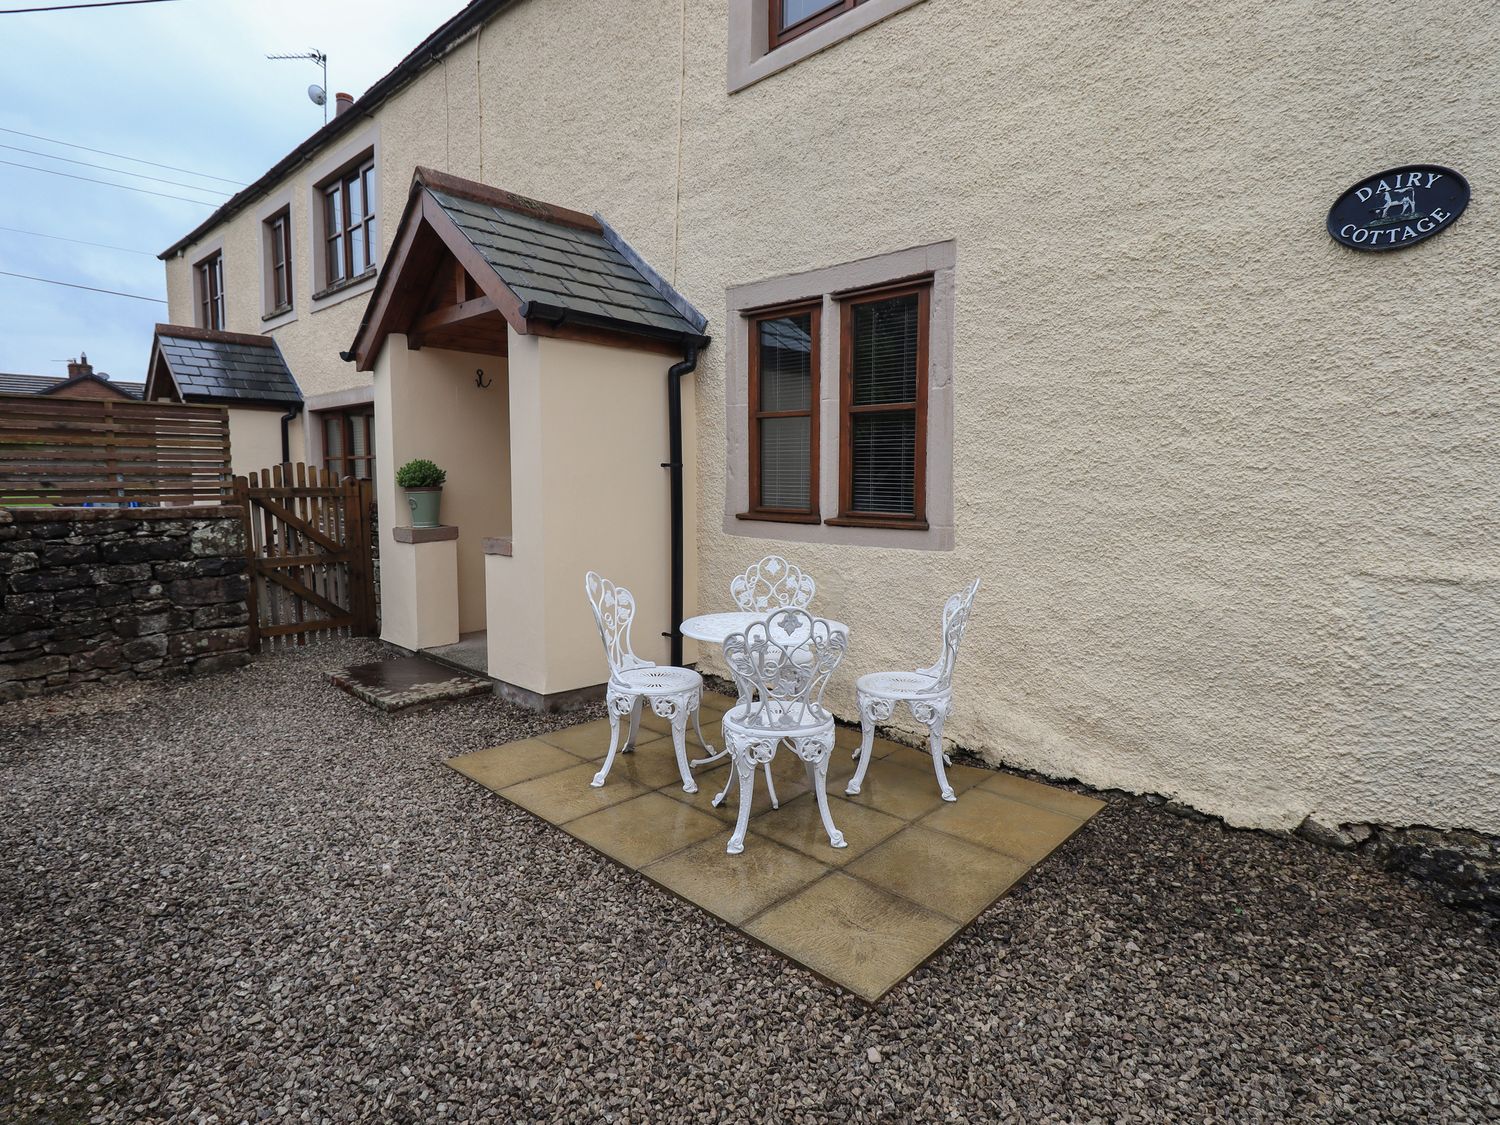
(716, 628)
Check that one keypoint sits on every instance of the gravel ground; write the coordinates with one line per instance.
(249, 897)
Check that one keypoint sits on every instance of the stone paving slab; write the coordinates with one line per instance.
(917, 871)
(407, 681)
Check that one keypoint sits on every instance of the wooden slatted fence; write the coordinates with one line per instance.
(307, 537)
(74, 452)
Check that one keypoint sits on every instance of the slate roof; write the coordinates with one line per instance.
(225, 368)
(16, 383)
(557, 268)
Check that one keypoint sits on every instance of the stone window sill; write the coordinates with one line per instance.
(342, 287)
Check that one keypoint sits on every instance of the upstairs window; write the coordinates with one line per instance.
(784, 414)
(883, 403)
(791, 18)
(348, 449)
(210, 287)
(279, 261)
(349, 222)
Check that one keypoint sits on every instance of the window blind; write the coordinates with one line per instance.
(785, 381)
(884, 369)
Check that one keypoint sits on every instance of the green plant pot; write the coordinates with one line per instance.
(424, 505)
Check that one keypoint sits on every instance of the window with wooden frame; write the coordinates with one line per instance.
(349, 246)
(791, 18)
(278, 235)
(783, 394)
(348, 442)
(883, 406)
(210, 286)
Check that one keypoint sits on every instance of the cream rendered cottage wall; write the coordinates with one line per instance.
(1229, 485)
(254, 440)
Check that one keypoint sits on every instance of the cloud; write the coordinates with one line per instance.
(185, 84)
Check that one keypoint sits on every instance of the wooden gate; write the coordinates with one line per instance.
(307, 541)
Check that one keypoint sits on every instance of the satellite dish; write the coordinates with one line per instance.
(316, 94)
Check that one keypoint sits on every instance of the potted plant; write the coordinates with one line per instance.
(423, 482)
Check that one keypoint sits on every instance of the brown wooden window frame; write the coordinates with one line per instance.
(279, 241)
(346, 419)
(338, 223)
(848, 301)
(754, 319)
(778, 35)
(210, 280)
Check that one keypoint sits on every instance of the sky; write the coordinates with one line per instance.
(180, 82)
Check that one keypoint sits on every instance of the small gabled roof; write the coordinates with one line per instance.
(16, 383)
(225, 368)
(540, 266)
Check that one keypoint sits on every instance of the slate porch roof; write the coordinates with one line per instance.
(226, 368)
(557, 266)
(17, 383)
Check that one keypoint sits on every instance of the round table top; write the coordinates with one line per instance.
(715, 627)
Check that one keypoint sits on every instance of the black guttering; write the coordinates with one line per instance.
(426, 53)
(673, 465)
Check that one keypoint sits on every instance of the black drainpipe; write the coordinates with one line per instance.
(674, 466)
(286, 440)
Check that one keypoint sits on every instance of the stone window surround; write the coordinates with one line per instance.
(264, 212)
(364, 143)
(939, 260)
(750, 58)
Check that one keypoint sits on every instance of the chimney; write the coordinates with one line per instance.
(80, 366)
(341, 103)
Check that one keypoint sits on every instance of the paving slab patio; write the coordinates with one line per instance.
(917, 870)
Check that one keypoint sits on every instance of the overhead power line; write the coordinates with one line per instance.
(120, 156)
(70, 7)
(107, 183)
(116, 171)
(79, 241)
(75, 285)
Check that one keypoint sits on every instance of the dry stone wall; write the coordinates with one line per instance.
(100, 595)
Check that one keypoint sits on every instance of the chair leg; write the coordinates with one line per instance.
(635, 724)
(932, 716)
(728, 785)
(771, 788)
(679, 744)
(867, 709)
(818, 768)
(745, 767)
(617, 706)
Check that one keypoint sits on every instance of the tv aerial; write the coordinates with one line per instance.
(317, 94)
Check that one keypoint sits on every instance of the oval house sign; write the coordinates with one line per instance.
(1398, 208)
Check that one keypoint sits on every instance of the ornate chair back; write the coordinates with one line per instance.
(955, 618)
(772, 583)
(614, 610)
(781, 666)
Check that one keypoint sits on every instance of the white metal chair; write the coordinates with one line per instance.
(772, 583)
(674, 693)
(781, 666)
(927, 692)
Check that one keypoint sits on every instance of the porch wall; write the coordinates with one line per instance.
(427, 404)
(589, 439)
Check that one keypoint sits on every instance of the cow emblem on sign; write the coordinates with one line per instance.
(1404, 203)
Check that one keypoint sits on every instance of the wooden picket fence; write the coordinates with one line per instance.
(74, 452)
(308, 546)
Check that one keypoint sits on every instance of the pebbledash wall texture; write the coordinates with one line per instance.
(1228, 485)
(100, 595)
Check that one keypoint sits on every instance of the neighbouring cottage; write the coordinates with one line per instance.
(1044, 299)
(242, 372)
(82, 381)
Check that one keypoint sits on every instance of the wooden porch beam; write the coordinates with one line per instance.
(453, 314)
